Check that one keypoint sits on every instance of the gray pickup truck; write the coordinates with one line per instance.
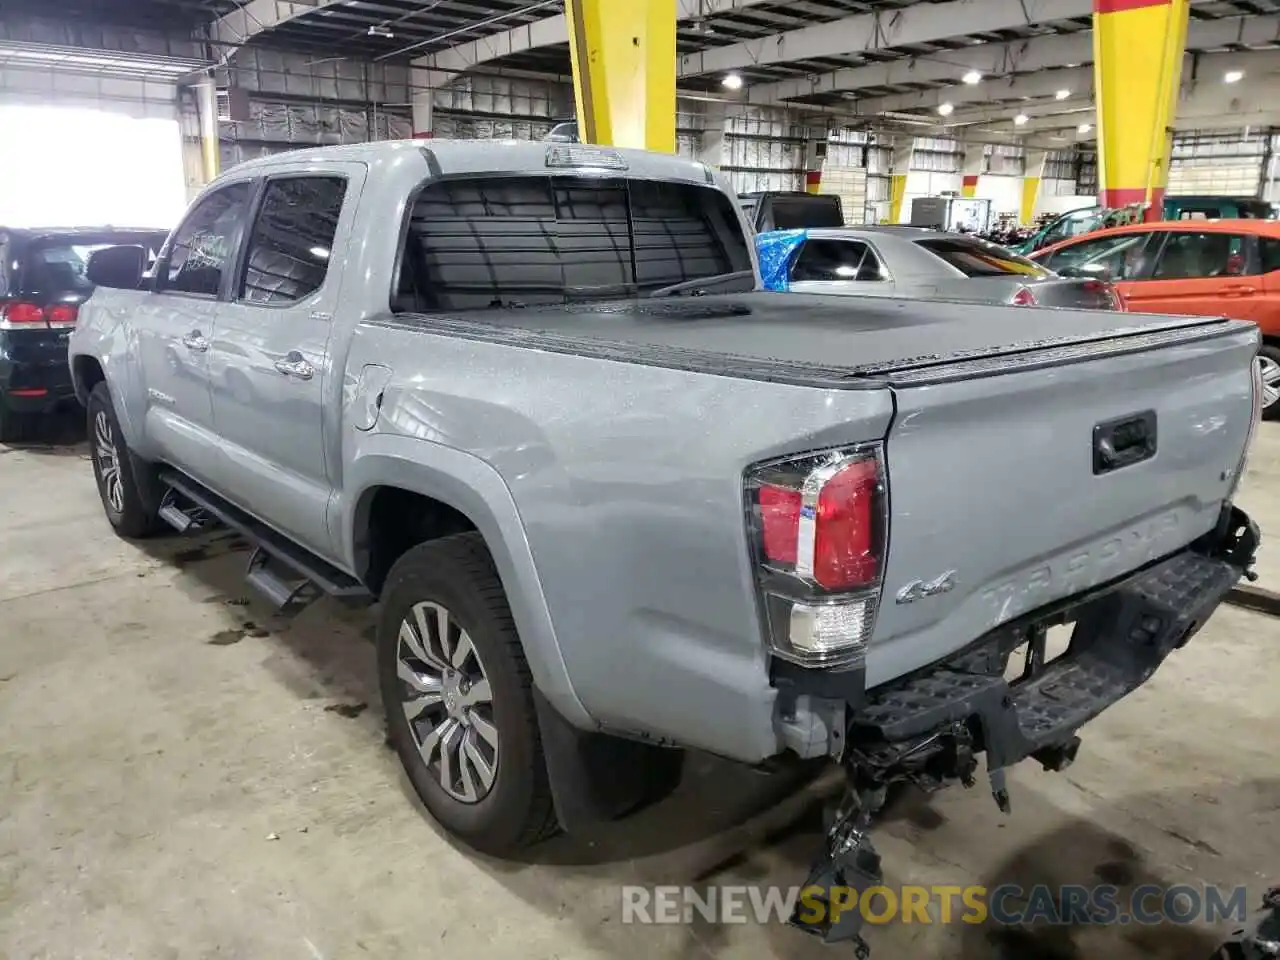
(615, 500)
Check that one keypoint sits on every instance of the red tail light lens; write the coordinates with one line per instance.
(1024, 298)
(818, 523)
(844, 548)
(20, 314)
(62, 315)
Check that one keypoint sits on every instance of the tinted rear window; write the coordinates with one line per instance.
(976, 258)
(792, 213)
(54, 266)
(498, 241)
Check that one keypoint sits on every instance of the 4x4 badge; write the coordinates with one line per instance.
(919, 589)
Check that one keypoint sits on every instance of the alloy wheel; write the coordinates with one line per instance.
(108, 459)
(447, 702)
(1270, 381)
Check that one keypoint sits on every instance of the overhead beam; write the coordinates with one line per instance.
(548, 32)
(918, 23)
(258, 16)
(1021, 56)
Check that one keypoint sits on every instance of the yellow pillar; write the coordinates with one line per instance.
(974, 158)
(1138, 49)
(624, 71)
(903, 149)
(1032, 175)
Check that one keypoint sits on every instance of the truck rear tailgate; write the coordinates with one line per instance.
(1003, 496)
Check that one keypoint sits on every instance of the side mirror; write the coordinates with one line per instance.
(117, 267)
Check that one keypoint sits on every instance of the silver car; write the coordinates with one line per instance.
(917, 263)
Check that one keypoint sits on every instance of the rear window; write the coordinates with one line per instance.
(792, 213)
(55, 266)
(976, 258)
(506, 241)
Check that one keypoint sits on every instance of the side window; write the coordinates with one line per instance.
(1270, 254)
(289, 249)
(833, 260)
(200, 248)
(1109, 258)
(1191, 255)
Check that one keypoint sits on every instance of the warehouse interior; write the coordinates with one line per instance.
(189, 773)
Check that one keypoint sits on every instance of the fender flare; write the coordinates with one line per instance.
(475, 489)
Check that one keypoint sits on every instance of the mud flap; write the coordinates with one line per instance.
(596, 777)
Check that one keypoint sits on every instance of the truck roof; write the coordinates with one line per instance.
(446, 157)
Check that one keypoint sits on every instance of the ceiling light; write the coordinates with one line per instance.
(1084, 128)
(1019, 120)
(972, 77)
(1062, 94)
(946, 109)
(732, 81)
(377, 30)
(1233, 76)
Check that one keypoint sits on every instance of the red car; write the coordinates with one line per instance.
(1225, 268)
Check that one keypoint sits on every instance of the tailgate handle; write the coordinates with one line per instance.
(1124, 442)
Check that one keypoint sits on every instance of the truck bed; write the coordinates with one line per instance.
(819, 341)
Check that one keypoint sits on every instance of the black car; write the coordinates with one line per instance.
(791, 209)
(42, 284)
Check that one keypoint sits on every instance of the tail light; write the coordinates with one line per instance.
(1024, 298)
(20, 315)
(1104, 290)
(1258, 387)
(818, 529)
(62, 315)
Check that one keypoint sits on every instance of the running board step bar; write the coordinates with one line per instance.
(287, 575)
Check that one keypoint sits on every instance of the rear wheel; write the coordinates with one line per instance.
(1269, 359)
(15, 427)
(458, 696)
(129, 507)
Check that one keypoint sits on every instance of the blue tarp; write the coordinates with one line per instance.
(776, 248)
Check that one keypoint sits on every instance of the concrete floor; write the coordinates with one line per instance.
(183, 777)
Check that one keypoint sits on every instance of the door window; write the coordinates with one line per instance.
(837, 260)
(1270, 254)
(292, 240)
(1193, 255)
(1120, 257)
(202, 245)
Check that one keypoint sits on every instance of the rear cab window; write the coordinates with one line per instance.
(511, 241)
(977, 258)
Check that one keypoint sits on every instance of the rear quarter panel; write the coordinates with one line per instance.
(626, 482)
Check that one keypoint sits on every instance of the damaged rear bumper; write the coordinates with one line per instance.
(929, 727)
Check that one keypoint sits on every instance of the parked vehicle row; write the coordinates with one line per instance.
(502, 388)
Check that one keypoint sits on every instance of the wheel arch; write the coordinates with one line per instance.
(459, 491)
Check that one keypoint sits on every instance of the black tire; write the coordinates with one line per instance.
(457, 573)
(1269, 354)
(134, 514)
(15, 427)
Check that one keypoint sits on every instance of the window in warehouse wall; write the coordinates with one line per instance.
(107, 168)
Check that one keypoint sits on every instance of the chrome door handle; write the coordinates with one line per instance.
(195, 341)
(296, 366)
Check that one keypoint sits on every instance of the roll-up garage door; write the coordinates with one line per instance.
(850, 184)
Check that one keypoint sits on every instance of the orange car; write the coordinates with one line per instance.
(1214, 267)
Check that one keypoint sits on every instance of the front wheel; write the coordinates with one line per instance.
(127, 505)
(1269, 360)
(458, 696)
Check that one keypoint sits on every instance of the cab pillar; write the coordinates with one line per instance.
(1138, 50)
(974, 158)
(903, 148)
(1032, 177)
(624, 71)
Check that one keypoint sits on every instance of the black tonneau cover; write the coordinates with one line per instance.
(840, 342)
